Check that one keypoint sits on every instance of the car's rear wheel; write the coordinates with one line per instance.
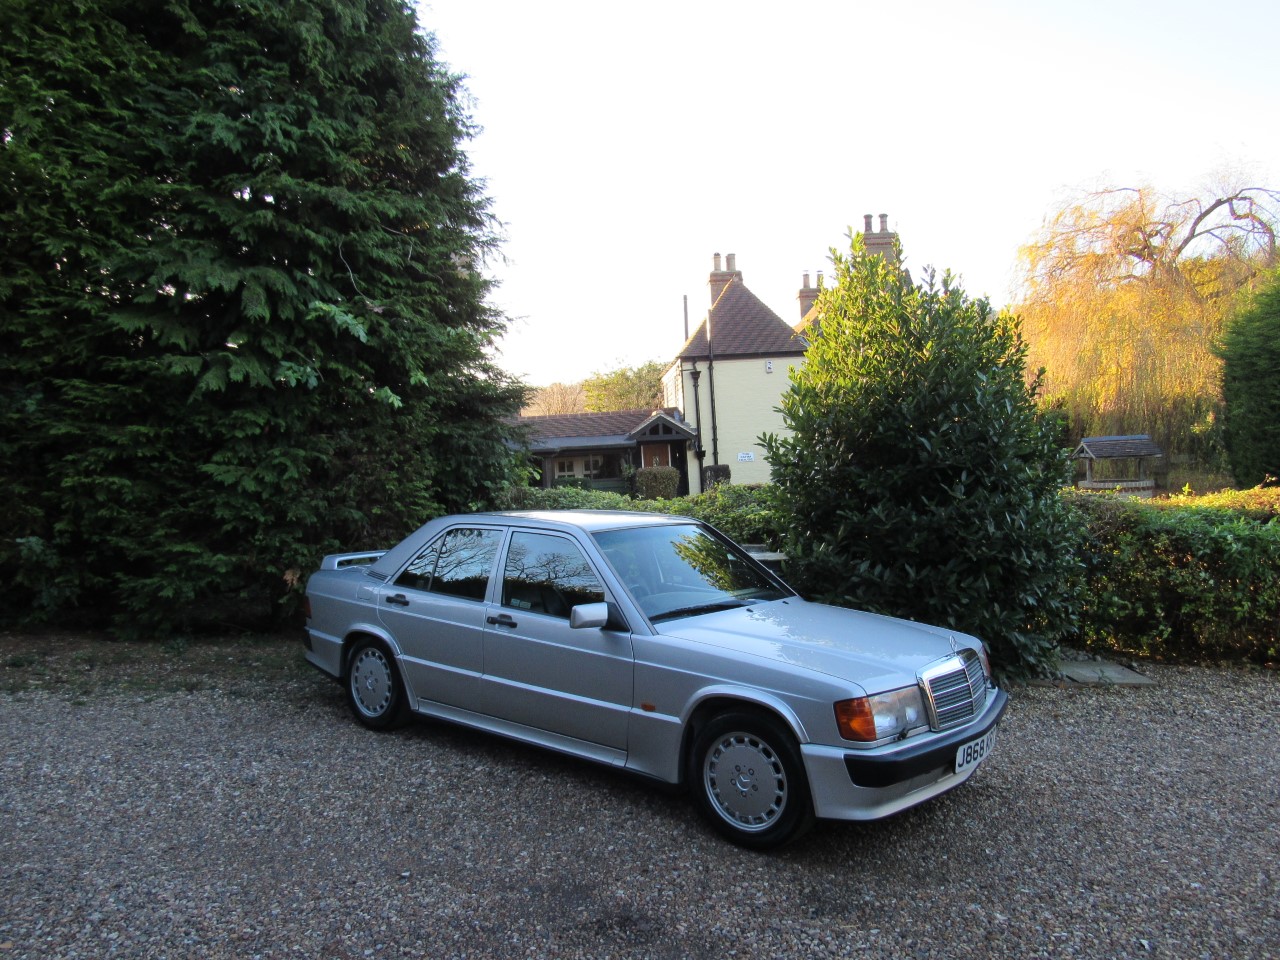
(374, 687)
(749, 780)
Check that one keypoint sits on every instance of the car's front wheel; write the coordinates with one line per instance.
(374, 687)
(749, 780)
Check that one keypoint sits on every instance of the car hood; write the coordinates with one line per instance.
(876, 652)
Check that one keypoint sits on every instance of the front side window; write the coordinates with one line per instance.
(457, 564)
(548, 574)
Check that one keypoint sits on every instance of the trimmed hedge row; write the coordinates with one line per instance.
(657, 483)
(1188, 578)
(563, 498)
(747, 513)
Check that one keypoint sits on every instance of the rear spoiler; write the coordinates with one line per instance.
(339, 561)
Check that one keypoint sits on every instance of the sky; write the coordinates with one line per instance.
(623, 145)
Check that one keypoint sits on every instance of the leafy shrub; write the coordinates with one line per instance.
(748, 513)
(1184, 579)
(1257, 503)
(657, 483)
(918, 478)
(562, 498)
(715, 474)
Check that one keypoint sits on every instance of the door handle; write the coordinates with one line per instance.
(502, 620)
(399, 599)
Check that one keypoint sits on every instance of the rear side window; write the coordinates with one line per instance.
(546, 574)
(458, 564)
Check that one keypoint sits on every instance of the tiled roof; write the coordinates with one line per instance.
(1111, 448)
(584, 430)
(742, 326)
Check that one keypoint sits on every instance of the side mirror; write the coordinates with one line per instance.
(588, 616)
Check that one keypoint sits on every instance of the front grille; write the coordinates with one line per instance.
(956, 689)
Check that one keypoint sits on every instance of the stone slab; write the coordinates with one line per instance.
(1102, 672)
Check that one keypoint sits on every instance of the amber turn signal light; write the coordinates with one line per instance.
(855, 719)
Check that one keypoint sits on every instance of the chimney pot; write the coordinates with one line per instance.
(716, 263)
(807, 296)
(884, 223)
(731, 262)
(866, 222)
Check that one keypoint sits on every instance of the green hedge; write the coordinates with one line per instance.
(747, 513)
(1189, 578)
(563, 498)
(657, 483)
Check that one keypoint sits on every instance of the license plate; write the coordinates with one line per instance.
(975, 751)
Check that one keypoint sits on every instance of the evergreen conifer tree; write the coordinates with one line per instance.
(242, 319)
(1250, 352)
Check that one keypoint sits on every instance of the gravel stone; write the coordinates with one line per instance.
(260, 821)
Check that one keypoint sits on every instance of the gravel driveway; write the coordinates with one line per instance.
(254, 818)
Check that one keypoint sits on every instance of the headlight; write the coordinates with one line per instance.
(890, 714)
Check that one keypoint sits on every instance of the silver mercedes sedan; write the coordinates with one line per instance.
(656, 644)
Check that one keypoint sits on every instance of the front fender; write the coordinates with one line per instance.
(748, 696)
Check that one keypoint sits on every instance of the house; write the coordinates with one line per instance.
(730, 375)
(601, 450)
(720, 394)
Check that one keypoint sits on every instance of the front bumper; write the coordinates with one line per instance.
(866, 785)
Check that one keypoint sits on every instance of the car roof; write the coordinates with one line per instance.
(593, 521)
(588, 521)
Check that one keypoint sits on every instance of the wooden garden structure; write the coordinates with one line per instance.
(1139, 447)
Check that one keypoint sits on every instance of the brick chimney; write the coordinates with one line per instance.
(808, 295)
(720, 278)
(879, 241)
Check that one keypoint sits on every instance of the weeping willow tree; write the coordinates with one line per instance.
(1127, 290)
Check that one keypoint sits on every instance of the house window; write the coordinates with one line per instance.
(564, 468)
(593, 465)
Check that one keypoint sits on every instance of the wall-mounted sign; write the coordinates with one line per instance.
(746, 457)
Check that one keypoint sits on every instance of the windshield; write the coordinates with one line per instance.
(681, 570)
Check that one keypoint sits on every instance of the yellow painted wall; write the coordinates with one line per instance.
(746, 397)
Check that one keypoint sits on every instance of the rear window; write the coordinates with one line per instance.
(458, 564)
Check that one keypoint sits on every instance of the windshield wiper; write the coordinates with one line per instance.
(700, 608)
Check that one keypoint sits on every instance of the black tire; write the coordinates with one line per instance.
(374, 687)
(749, 780)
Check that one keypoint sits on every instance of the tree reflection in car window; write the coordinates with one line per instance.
(546, 574)
(457, 564)
(710, 560)
(677, 566)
